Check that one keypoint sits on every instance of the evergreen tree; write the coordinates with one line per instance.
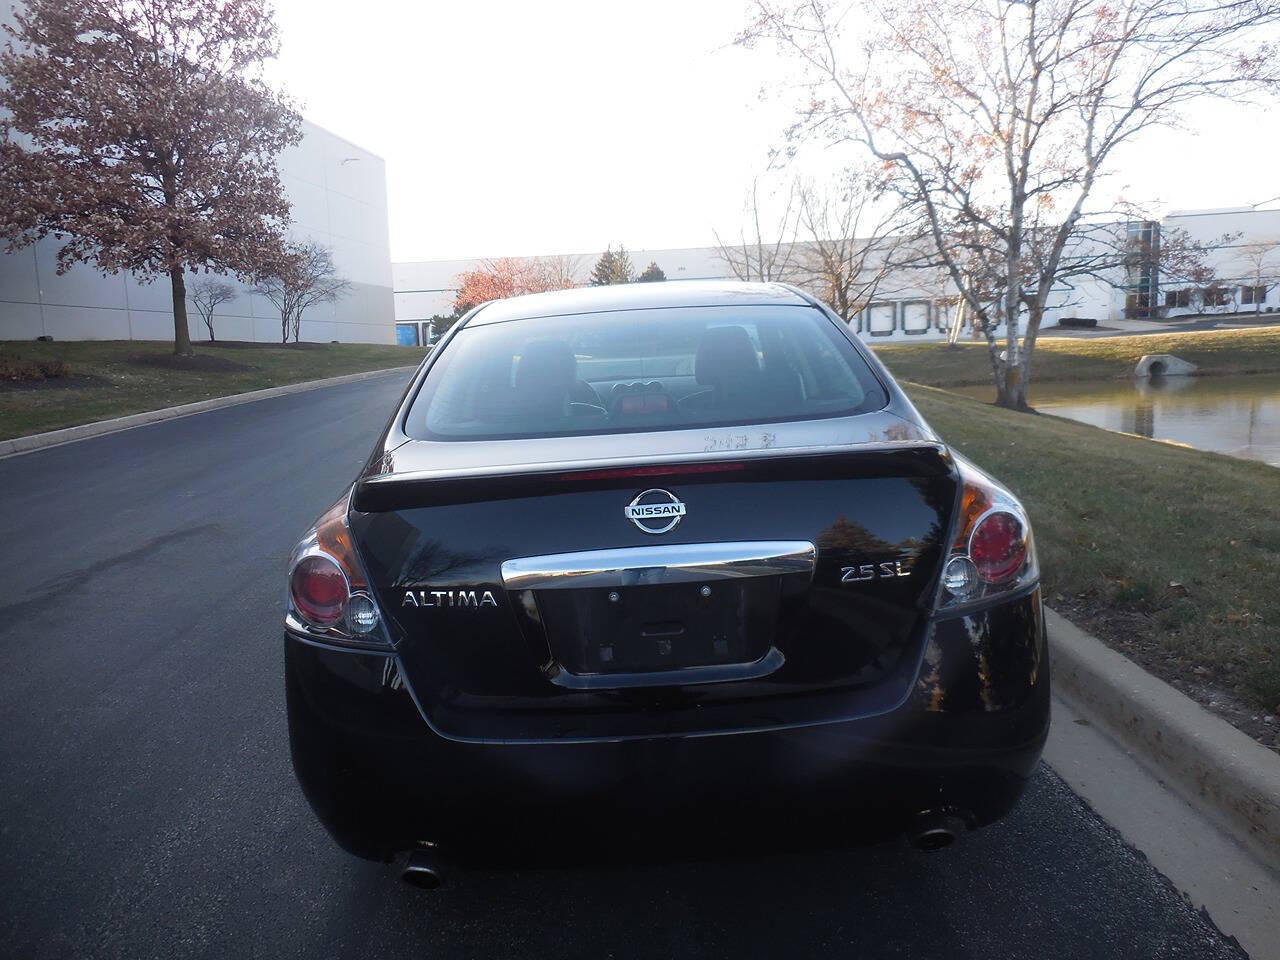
(602, 272)
(652, 274)
(612, 268)
(623, 272)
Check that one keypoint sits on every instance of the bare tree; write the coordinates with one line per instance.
(1262, 258)
(995, 119)
(556, 272)
(849, 249)
(207, 294)
(305, 277)
(763, 252)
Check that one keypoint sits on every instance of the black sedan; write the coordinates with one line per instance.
(661, 562)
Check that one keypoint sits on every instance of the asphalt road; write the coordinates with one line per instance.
(147, 806)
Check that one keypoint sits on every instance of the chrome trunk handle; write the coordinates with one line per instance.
(668, 563)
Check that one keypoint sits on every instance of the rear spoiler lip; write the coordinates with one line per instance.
(622, 463)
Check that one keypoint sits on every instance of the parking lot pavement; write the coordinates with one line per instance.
(148, 807)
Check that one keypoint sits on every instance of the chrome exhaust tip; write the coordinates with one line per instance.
(933, 830)
(422, 870)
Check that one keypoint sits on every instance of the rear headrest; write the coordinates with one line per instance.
(725, 355)
(546, 364)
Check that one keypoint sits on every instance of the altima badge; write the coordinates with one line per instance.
(448, 598)
(655, 511)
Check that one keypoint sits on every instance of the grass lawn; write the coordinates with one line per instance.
(1099, 358)
(111, 378)
(1169, 554)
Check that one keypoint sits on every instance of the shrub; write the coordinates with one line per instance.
(21, 369)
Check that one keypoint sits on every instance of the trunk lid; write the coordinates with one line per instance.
(542, 603)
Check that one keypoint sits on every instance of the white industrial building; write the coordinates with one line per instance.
(912, 304)
(919, 304)
(339, 196)
(1239, 285)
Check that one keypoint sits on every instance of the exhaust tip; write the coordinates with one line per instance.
(934, 831)
(933, 838)
(422, 870)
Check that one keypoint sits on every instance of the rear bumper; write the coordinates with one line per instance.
(964, 741)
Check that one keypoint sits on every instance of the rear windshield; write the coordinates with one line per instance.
(642, 370)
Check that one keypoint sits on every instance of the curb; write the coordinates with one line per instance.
(1220, 771)
(53, 438)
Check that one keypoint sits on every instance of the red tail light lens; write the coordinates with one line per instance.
(319, 591)
(998, 547)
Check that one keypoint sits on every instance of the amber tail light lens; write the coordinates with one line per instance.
(992, 551)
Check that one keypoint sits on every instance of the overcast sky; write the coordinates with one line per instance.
(545, 127)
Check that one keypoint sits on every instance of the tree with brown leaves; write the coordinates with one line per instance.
(142, 134)
(995, 120)
(503, 277)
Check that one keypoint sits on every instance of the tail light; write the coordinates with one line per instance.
(329, 597)
(992, 552)
(319, 591)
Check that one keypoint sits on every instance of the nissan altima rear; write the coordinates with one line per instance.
(668, 560)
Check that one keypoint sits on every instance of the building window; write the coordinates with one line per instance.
(1214, 297)
(1253, 294)
(1142, 271)
(1177, 298)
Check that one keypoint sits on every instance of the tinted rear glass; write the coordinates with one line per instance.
(642, 370)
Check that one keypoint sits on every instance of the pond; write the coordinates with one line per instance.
(1235, 415)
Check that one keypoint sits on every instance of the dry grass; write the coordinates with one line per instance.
(1100, 358)
(95, 380)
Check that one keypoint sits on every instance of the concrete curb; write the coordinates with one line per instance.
(53, 438)
(1229, 776)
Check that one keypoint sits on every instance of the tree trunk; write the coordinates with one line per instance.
(1017, 372)
(1006, 386)
(1019, 392)
(181, 332)
(284, 326)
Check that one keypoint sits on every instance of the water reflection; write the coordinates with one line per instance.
(1239, 416)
